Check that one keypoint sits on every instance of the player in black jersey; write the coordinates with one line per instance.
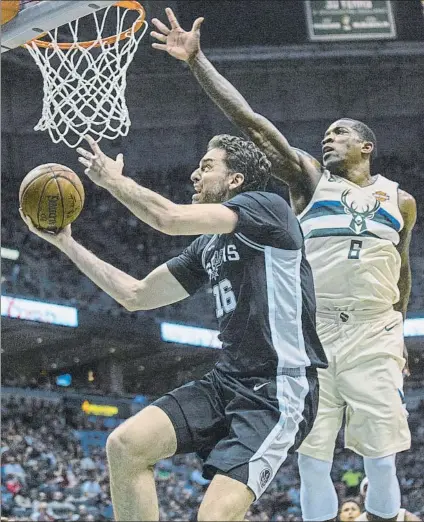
(260, 400)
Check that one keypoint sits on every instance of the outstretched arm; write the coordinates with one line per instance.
(289, 166)
(150, 207)
(159, 288)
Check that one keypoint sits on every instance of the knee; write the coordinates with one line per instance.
(312, 469)
(380, 467)
(121, 447)
(117, 446)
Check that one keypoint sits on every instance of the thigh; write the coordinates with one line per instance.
(376, 418)
(266, 417)
(321, 440)
(197, 413)
(371, 382)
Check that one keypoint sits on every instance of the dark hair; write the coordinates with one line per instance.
(244, 156)
(350, 499)
(365, 133)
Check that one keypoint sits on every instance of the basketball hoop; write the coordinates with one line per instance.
(84, 82)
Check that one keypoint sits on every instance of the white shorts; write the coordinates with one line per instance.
(364, 382)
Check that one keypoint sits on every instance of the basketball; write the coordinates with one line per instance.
(52, 195)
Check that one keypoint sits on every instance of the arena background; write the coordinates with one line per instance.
(65, 387)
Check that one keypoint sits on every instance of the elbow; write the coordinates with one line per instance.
(139, 298)
(130, 307)
(247, 117)
(253, 125)
(135, 298)
(136, 305)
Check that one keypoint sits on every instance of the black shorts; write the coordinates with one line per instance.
(243, 427)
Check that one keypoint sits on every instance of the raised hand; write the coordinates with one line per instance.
(100, 168)
(183, 45)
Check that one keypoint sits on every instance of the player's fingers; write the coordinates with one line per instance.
(93, 144)
(120, 158)
(172, 18)
(85, 153)
(158, 36)
(85, 162)
(160, 26)
(197, 24)
(161, 47)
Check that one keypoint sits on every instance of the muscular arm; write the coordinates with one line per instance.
(159, 288)
(408, 209)
(287, 164)
(168, 217)
(299, 171)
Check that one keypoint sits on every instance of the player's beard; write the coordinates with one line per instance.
(217, 195)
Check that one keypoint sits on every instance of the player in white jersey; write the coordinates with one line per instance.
(403, 515)
(357, 229)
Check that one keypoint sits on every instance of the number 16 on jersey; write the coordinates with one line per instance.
(225, 299)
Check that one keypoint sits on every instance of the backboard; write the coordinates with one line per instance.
(35, 18)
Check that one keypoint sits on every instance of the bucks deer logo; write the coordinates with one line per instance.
(359, 215)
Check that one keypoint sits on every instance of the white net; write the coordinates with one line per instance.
(84, 88)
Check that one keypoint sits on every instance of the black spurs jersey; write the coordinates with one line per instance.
(262, 286)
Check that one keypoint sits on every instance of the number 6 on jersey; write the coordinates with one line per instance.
(355, 249)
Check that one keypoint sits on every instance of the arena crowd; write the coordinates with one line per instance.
(47, 475)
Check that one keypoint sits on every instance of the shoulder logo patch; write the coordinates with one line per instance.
(381, 196)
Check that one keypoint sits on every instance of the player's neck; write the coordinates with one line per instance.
(359, 174)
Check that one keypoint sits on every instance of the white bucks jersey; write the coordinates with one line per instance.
(351, 234)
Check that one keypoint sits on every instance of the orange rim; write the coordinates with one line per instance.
(126, 4)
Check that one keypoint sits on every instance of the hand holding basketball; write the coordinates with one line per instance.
(100, 168)
(56, 239)
(183, 45)
(52, 196)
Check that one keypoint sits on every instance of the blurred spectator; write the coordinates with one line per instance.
(13, 468)
(87, 463)
(41, 514)
(22, 499)
(352, 478)
(13, 485)
(58, 508)
(349, 510)
(91, 487)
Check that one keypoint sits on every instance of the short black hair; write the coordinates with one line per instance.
(365, 133)
(245, 157)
